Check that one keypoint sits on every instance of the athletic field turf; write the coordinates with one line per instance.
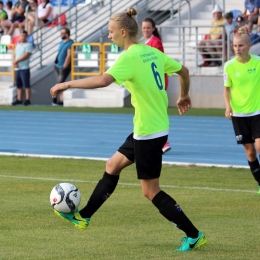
(221, 202)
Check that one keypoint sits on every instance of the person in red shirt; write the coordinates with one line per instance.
(153, 39)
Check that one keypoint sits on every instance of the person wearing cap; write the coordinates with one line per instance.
(213, 44)
(240, 20)
(251, 11)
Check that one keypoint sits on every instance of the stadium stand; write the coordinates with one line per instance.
(89, 26)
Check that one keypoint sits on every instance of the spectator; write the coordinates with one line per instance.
(62, 65)
(153, 39)
(8, 9)
(21, 59)
(240, 21)
(252, 7)
(3, 14)
(230, 25)
(31, 10)
(214, 43)
(45, 15)
(17, 17)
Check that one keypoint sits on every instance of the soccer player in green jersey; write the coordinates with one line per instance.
(242, 98)
(141, 69)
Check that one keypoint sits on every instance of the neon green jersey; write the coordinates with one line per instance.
(141, 69)
(244, 81)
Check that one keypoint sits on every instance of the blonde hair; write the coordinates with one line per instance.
(127, 22)
(243, 32)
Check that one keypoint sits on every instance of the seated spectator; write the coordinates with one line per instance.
(45, 15)
(251, 11)
(31, 10)
(240, 21)
(3, 14)
(8, 9)
(18, 17)
(214, 43)
(230, 25)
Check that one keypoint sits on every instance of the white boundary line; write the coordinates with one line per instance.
(105, 159)
(128, 184)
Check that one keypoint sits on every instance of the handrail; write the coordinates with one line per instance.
(187, 52)
(179, 12)
(87, 25)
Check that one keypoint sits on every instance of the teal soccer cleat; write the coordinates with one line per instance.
(192, 243)
(75, 218)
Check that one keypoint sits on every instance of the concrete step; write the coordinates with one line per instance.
(7, 93)
(111, 96)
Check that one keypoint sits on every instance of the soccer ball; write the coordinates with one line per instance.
(65, 197)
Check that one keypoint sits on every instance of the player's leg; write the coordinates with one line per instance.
(255, 126)
(149, 163)
(245, 128)
(106, 185)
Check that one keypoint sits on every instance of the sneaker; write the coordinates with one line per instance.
(60, 103)
(17, 102)
(166, 147)
(27, 102)
(75, 218)
(189, 243)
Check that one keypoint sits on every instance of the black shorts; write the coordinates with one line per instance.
(22, 78)
(147, 155)
(246, 129)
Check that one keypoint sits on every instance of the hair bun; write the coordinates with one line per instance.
(242, 30)
(131, 11)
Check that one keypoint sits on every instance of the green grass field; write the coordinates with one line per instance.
(223, 203)
(120, 110)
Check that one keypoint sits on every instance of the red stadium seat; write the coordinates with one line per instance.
(15, 39)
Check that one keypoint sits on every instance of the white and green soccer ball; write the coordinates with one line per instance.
(65, 197)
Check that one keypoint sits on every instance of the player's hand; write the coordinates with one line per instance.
(228, 113)
(55, 90)
(183, 104)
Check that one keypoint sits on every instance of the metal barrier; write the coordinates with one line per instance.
(6, 60)
(184, 47)
(86, 59)
(110, 54)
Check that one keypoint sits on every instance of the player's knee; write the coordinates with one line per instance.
(112, 167)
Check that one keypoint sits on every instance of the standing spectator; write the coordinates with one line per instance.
(213, 45)
(21, 59)
(251, 11)
(8, 9)
(17, 17)
(62, 65)
(241, 95)
(45, 15)
(3, 14)
(141, 68)
(153, 39)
